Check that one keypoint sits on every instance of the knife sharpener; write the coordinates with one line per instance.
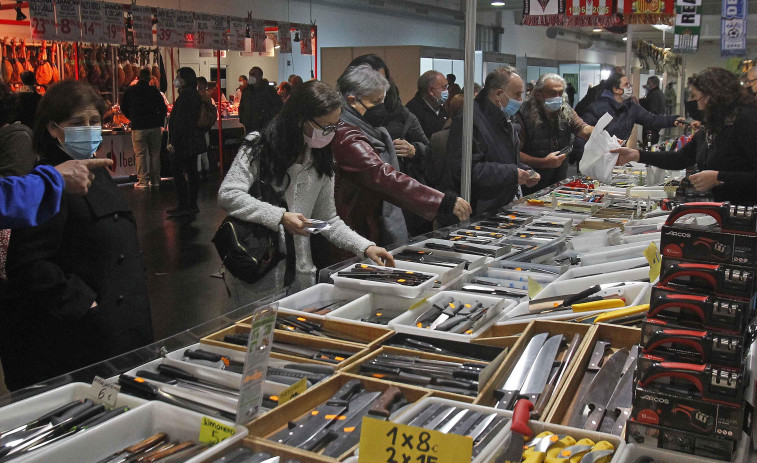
(701, 310)
(723, 280)
(738, 219)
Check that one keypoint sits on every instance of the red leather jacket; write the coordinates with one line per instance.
(363, 181)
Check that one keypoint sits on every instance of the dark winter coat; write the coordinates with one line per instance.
(16, 154)
(258, 105)
(183, 133)
(144, 106)
(431, 122)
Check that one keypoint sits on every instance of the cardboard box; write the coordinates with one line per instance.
(680, 441)
(270, 423)
(728, 280)
(619, 336)
(708, 245)
(499, 377)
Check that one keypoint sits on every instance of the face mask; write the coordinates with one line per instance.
(178, 82)
(318, 140)
(376, 115)
(553, 104)
(513, 106)
(445, 95)
(627, 93)
(252, 81)
(82, 142)
(692, 109)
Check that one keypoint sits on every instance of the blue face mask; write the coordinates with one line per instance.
(553, 104)
(513, 106)
(82, 142)
(445, 95)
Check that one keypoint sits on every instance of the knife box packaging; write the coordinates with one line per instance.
(701, 309)
(354, 369)
(619, 337)
(725, 280)
(487, 396)
(675, 342)
(306, 341)
(302, 405)
(709, 245)
(649, 435)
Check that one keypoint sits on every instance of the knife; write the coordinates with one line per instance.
(512, 448)
(446, 427)
(357, 407)
(449, 311)
(619, 406)
(426, 414)
(537, 378)
(556, 377)
(42, 420)
(597, 395)
(519, 372)
(136, 448)
(595, 362)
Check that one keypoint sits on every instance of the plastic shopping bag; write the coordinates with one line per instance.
(597, 161)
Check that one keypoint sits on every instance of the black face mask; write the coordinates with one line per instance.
(376, 115)
(692, 109)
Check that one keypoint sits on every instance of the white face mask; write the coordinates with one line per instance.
(178, 82)
(627, 93)
(82, 142)
(252, 80)
(318, 140)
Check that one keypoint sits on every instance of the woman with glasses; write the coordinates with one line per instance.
(293, 154)
(725, 150)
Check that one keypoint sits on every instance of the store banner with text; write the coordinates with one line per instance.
(590, 13)
(141, 24)
(688, 26)
(306, 43)
(647, 11)
(168, 33)
(218, 33)
(203, 36)
(543, 12)
(113, 22)
(67, 18)
(185, 26)
(257, 34)
(237, 33)
(733, 28)
(92, 30)
(285, 37)
(42, 19)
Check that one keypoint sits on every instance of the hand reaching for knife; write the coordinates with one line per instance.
(380, 256)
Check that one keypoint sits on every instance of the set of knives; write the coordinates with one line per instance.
(158, 448)
(385, 275)
(558, 448)
(453, 316)
(325, 355)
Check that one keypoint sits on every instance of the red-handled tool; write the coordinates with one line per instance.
(710, 311)
(721, 279)
(665, 338)
(741, 219)
(512, 446)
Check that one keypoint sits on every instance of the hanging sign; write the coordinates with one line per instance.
(285, 38)
(219, 33)
(257, 34)
(185, 26)
(67, 15)
(42, 19)
(688, 26)
(733, 28)
(590, 13)
(113, 23)
(92, 30)
(543, 12)
(203, 26)
(141, 23)
(167, 32)
(306, 43)
(237, 33)
(648, 11)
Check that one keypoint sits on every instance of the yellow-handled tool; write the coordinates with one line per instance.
(553, 454)
(615, 316)
(598, 305)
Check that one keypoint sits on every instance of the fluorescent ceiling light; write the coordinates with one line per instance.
(662, 27)
(625, 39)
(498, 3)
(597, 30)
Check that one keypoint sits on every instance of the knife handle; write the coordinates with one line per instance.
(521, 414)
(139, 386)
(570, 300)
(157, 455)
(688, 371)
(599, 305)
(95, 420)
(507, 401)
(58, 411)
(147, 443)
(73, 412)
(595, 418)
(199, 354)
(151, 375)
(717, 211)
(381, 405)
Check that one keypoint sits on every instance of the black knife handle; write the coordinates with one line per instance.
(139, 386)
(102, 417)
(176, 372)
(153, 376)
(73, 411)
(568, 301)
(58, 411)
(507, 401)
(199, 354)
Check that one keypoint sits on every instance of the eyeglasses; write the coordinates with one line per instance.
(326, 130)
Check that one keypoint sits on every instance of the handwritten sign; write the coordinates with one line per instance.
(237, 33)
(203, 37)
(42, 19)
(257, 34)
(67, 15)
(534, 288)
(92, 22)
(141, 21)
(285, 37)
(219, 38)
(293, 391)
(113, 22)
(185, 27)
(167, 28)
(655, 262)
(387, 441)
(103, 392)
(213, 432)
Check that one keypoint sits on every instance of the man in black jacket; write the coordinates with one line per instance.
(654, 102)
(427, 104)
(145, 108)
(259, 102)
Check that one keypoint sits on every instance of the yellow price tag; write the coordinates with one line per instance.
(213, 432)
(655, 262)
(293, 391)
(534, 288)
(387, 441)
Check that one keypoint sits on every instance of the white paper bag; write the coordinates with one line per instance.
(597, 161)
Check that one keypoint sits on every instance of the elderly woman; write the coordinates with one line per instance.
(725, 150)
(370, 191)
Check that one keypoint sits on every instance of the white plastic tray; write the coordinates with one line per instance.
(446, 274)
(474, 262)
(129, 428)
(368, 304)
(632, 452)
(615, 253)
(385, 288)
(315, 294)
(599, 269)
(406, 323)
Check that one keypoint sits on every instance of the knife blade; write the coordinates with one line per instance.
(426, 414)
(479, 428)
(519, 372)
(449, 311)
(598, 394)
(434, 422)
(537, 378)
(358, 407)
(512, 448)
(619, 407)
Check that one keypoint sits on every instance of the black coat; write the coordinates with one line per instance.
(402, 124)
(183, 133)
(27, 107)
(431, 122)
(144, 106)
(654, 102)
(88, 252)
(258, 106)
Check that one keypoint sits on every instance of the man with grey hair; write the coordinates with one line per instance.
(547, 126)
(428, 103)
(496, 171)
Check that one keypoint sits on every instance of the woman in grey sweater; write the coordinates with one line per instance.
(293, 154)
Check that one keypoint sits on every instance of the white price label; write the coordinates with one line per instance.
(219, 33)
(113, 22)
(42, 19)
(257, 34)
(203, 35)
(67, 14)
(185, 28)
(141, 23)
(103, 392)
(168, 35)
(237, 33)
(92, 22)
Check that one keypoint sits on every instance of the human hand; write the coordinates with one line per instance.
(705, 180)
(681, 122)
(77, 175)
(295, 223)
(170, 148)
(533, 179)
(462, 209)
(626, 155)
(696, 125)
(403, 148)
(554, 160)
(380, 256)
(523, 176)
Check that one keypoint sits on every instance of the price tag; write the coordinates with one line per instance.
(534, 288)
(391, 442)
(219, 39)
(655, 262)
(92, 22)
(213, 432)
(203, 35)
(256, 362)
(167, 33)
(285, 37)
(42, 19)
(257, 34)
(113, 22)
(237, 33)
(67, 14)
(141, 23)
(103, 392)
(293, 391)
(185, 28)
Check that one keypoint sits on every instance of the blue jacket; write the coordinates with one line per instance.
(30, 200)
(625, 115)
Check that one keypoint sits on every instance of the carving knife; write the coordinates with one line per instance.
(520, 371)
(537, 378)
(597, 395)
(619, 407)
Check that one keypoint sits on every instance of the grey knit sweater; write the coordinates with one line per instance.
(307, 193)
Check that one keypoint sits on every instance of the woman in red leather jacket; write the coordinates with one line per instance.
(370, 191)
